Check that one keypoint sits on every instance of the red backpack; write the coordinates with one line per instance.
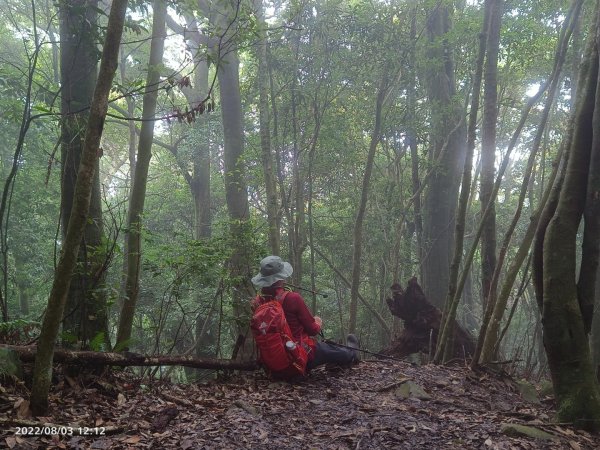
(281, 355)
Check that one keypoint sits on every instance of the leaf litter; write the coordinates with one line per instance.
(370, 406)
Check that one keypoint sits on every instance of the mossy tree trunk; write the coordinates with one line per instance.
(564, 299)
(595, 335)
(42, 373)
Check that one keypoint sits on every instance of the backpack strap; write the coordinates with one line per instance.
(260, 300)
(281, 298)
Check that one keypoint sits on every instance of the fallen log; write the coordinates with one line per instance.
(421, 324)
(27, 354)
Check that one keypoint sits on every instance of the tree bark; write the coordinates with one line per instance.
(595, 335)
(85, 314)
(565, 338)
(411, 135)
(488, 145)
(297, 236)
(42, 373)
(440, 199)
(138, 191)
(590, 247)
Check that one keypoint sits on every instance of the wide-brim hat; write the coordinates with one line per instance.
(272, 269)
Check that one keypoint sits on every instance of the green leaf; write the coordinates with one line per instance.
(97, 344)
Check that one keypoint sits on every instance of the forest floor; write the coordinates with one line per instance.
(373, 405)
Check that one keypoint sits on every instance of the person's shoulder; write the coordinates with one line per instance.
(293, 296)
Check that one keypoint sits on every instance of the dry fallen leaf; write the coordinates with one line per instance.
(121, 399)
(23, 411)
(132, 440)
(10, 442)
(188, 443)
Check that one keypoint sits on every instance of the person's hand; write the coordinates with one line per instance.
(318, 320)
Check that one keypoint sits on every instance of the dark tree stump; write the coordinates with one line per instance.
(421, 324)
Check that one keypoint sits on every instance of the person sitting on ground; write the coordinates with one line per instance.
(303, 325)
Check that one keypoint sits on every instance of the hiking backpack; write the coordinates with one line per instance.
(280, 354)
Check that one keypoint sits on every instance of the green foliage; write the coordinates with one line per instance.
(97, 344)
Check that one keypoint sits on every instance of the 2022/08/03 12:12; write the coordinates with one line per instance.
(60, 430)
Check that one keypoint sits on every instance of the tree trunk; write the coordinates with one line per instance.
(200, 186)
(297, 235)
(411, 135)
(131, 148)
(296, 209)
(240, 263)
(590, 247)
(565, 339)
(265, 132)
(595, 336)
(440, 200)
(460, 221)
(362, 207)
(42, 373)
(488, 145)
(138, 191)
(85, 314)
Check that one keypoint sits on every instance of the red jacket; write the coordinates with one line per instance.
(299, 318)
